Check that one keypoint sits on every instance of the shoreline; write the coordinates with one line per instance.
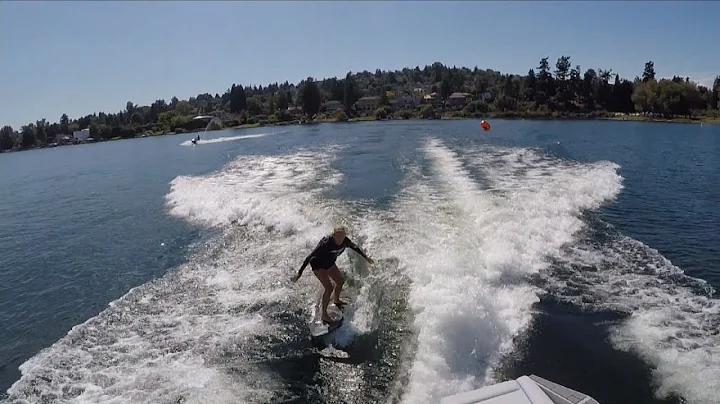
(700, 120)
(510, 116)
(513, 116)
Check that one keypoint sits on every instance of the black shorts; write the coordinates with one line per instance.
(321, 265)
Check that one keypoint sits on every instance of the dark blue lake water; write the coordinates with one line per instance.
(150, 270)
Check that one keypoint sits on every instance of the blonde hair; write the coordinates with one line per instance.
(339, 228)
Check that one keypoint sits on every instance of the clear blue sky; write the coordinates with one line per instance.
(83, 57)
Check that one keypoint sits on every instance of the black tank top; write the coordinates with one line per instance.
(327, 251)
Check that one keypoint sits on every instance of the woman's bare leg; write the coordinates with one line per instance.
(337, 277)
(325, 280)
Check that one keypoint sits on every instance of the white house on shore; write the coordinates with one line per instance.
(81, 134)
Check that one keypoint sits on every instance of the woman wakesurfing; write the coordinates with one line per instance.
(322, 260)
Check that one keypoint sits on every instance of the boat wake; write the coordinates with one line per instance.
(671, 320)
(469, 246)
(193, 334)
(457, 253)
(229, 138)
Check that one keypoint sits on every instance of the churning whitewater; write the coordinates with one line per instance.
(469, 251)
(456, 251)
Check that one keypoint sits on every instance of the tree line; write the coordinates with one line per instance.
(562, 90)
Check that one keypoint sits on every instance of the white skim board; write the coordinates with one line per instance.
(318, 328)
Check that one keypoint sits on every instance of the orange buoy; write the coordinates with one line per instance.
(485, 125)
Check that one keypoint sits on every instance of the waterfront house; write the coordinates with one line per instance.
(332, 106)
(367, 104)
(433, 99)
(406, 102)
(79, 135)
(459, 99)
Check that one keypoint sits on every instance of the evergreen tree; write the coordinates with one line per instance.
(238, 99)
(349, 92)
(310, 97)
(649, 72)
(7, 138)
(282, 102)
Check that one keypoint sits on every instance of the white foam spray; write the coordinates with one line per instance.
(166, 341)
(673, 320)
(469, 251)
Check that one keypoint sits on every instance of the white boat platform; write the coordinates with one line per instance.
(523, 390)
